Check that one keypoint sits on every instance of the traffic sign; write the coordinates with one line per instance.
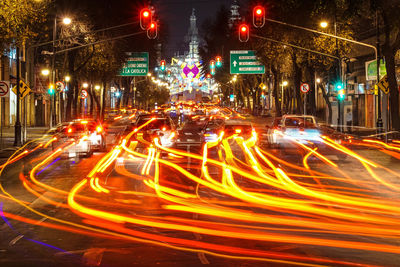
(60, 86)
(384, 84)
(84, 94)
(245, 62)
(24, 89)
(137, 64)
(4, 88)
(304, 87)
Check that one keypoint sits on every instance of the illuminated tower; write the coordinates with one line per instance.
(193, 38)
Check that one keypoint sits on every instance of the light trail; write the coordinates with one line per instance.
(261, 198)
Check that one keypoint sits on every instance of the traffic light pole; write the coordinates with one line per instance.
(379, 122)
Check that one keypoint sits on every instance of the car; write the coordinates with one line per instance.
(303, 128)
(269, 136)
(76, 133)
(161, 127)
(97, 134)
(211, 131)
(191, 133)
(240, 128)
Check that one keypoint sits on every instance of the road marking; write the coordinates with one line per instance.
(15, 240)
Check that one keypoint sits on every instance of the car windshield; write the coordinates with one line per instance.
(305, 122)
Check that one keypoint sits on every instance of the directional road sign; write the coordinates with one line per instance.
(137, 64)
(23, 89)
(384, 85)
(4, 88)
(245, 62)
(304, 87)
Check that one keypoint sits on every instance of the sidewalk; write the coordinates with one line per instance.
(7, 137)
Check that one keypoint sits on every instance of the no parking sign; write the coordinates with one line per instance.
(305, 87)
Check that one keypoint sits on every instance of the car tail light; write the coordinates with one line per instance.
(164, 128)
(238, 131)
(84, 122)
(69, 130)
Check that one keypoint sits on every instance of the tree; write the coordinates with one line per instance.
(21, 20)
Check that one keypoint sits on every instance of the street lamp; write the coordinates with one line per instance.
(67, 21)
(67, 78)
(284, 83)
(323, 24)
(45, 72)
(97, 87)
(85, 85)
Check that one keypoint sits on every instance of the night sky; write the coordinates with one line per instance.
(177, 14)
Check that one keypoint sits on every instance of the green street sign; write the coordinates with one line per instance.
(370, 69)
(137, 64)
(245, 62)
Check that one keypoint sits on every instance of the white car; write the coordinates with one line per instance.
(303, 128)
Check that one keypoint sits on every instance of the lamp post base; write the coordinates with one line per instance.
(17, 140)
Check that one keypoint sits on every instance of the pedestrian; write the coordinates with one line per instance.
(349, 120)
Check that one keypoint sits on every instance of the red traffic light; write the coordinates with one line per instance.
(258, 16)
(162, 65)
(152, 31)
(244, 33)
(145, 18)
(208, 76)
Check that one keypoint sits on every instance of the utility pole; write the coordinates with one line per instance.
(379, 122)
(17, 136)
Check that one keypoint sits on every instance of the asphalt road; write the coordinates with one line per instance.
(56, 214)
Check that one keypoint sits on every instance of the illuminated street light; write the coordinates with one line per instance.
(284, 83)
(67, 78)
(323, 24)
(318, 80)
(45, 72)
(149, 74)
(67, 20)
(85, 85)
(97, 87)
(234, 79)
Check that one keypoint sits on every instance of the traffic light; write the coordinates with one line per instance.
(145, 18)
(218, 60)
(212, 72)
(244, 33)
(258, 16)
(152, 31)
(341, 94)
(208, 76)
(51, 90)
(212, 64)
(169, 73)
(162, 65)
